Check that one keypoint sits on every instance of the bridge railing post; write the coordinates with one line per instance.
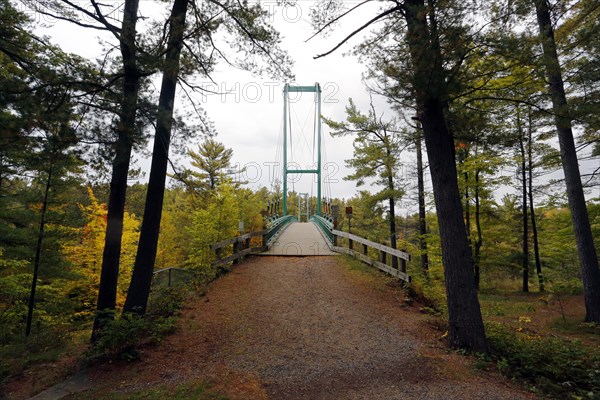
(382, 257)
(236, 249)
(376, 254)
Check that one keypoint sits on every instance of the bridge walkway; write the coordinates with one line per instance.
(300, 239)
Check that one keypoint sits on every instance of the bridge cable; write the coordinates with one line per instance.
(312, 181)
(326, 180)
(291, 152)
(278, 173)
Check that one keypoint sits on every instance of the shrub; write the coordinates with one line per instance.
(558, 367)
(121, 336)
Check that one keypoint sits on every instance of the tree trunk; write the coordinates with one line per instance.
(392, 205)
(141, 279)
(467, 206)
(536, 246)
(38, 254)
(107, 292)
(588, 259)
(422, 213)
(465, 322)
(479, 241)
(524, 217)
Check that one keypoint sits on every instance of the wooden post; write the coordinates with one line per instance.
(382, 256)
(350, 243)
(365, 250)
(335, 240)
(236, 249)
(219, 253)
(402, 265)
(247, 243)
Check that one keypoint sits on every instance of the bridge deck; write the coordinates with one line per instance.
(300, 239)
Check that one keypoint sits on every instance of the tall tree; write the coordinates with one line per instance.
(139, 289)
(254, 37)
(123, 89)
(588, 258)
(532, 212)
(376, 156)
(524, 198)
(421, 201)
(420, 37)
(429, 84)
(107, 293)
(55, 159)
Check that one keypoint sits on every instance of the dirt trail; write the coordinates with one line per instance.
(306, 328)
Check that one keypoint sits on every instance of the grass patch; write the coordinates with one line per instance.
(372, 274)
(508, 304)
(574, 326)
(355, 265)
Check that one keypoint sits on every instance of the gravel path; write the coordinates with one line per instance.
(310, 328)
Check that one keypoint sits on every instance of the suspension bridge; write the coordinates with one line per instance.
(312, 229)
(295, 324)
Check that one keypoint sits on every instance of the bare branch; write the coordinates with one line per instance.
(363, 27)
(250, 36)
(336, 19)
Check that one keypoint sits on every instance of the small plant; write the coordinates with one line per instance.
(483, 362)
(166, 301)
(561, 289)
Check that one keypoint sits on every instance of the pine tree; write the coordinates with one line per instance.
(376, 156)
(588, 258)
(213, 161)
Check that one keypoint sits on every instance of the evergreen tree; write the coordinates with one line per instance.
(376, 156)
(429, 52)
(213, 161)
(588, 257)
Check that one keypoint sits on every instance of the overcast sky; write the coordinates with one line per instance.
(248, 115)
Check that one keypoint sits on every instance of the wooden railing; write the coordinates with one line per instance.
(383, 251)
(241, 247)
(241, 244)
(172, 277)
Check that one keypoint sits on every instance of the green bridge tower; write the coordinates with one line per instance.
(301, 89)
